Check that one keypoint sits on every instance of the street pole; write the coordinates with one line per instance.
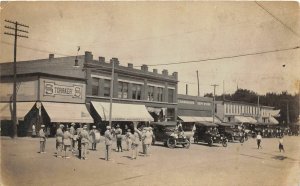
(111, 91)
(198, 84)
(214, 99)
(14, 97)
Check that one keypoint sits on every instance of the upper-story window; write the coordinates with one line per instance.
(136, 91)
(160, 94)
(150, 93)
(106, 88)
(95, 86)
(123, 90)
(170, 95)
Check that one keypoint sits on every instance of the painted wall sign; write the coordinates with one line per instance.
(53, 89)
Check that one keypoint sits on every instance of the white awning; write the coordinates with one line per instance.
(122, 112)
(22, 109)
(198, 119)
(245, 119)
(273, 121)
(67, 112)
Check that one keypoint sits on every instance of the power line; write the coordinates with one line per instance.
(225, 57)
(285, 25)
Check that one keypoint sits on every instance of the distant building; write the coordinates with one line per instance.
(241, 112)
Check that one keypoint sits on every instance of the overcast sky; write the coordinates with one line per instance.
(167, 32)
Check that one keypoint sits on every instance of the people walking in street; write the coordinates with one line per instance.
(42, 139)
(147, 140)
(108, 142)
(33, 131)
(258, 140)
(118, 133)
(84, 135)
(59, 141)
(136, 137)
(128, 139)
(73, 133)
(143, 137)
(281, 144)
(93, 134)
(67, 142)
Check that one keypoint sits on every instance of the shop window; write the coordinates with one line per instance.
(106, 88)
(123, 90)
(170, 95)
(136, 91)
(95, 86)
(150, 93)
(160, 94)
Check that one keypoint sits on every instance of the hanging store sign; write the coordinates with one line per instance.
(53, 89)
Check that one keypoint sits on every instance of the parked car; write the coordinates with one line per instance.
(232, 132)
(207, 132)
(166, 132)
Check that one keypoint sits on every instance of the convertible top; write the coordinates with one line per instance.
(164, 123)
(227, 124)
(207, 124)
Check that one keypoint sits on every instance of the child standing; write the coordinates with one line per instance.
(281, 144)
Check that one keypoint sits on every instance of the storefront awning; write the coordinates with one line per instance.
(22, 109)
(245, 119)
(67, 112)
(122, 112)
(273, 121)
(198, 119)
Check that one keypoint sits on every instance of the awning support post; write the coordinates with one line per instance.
(111, 91)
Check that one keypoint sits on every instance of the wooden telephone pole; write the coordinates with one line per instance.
(16, 34)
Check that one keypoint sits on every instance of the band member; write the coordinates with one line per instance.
(42, 139)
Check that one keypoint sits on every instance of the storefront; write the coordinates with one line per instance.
(43, 99)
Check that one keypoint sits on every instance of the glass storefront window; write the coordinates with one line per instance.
(123, 90)
(95, 86)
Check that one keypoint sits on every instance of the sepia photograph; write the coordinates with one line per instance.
(150, 93)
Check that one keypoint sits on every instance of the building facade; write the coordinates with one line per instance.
(50, 87)
(241, 112)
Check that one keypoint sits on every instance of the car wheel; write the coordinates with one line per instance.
(242, 140)
(210, 142)
(171, 143)
(224, 143)
(187, 144)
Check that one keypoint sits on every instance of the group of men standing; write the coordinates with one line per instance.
(66, 140)
(132, 138)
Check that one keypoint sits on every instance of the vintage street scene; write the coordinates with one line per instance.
(150, 93)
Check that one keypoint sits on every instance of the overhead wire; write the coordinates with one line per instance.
(225, 57)
(277, 19)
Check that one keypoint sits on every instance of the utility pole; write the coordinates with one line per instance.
(198, 83)
(214, 85)
(16, 34)
(287, 113)
(223, 90)
(111, 90)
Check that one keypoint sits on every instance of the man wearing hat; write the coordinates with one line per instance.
(67, 142)
(72, 132)
(118, 133)
(42, 139)
(59, 140)
(93, 137)
(108, 142)
(84, 135)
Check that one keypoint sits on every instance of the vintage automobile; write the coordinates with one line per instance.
(166, 132)
(232, 132)
(207, 132)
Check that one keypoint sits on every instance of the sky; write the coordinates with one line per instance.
(167, 32)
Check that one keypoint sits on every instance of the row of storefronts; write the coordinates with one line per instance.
(53, 90)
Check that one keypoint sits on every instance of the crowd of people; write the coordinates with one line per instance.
(77, 142)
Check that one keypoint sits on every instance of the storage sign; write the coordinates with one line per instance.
(53, 89)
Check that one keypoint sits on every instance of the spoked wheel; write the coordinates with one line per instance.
(242, 140)
(171, 143)
(210, 142)
(195, 140)
(246, 138)
(186, 144)
(224, 143)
